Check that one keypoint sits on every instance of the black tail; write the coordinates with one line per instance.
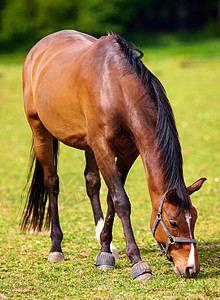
(36, 202)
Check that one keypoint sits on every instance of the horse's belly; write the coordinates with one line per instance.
(71, 133)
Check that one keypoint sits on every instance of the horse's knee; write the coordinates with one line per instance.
(122, 207)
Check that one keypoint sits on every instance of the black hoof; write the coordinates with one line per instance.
(105, 260)
(141, 271)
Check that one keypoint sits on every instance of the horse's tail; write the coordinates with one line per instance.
(36, 201)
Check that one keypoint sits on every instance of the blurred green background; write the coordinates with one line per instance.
(24, 22)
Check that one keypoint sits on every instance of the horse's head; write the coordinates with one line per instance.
(173, 229)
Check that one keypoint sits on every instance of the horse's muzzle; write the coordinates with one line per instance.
(188, 272)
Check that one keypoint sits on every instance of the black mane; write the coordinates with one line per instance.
(166, 132)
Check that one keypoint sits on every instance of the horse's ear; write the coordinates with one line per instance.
(196, 186)
(171, 195)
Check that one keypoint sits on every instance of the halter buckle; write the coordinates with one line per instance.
(172, 240)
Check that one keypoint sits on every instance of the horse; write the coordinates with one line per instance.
(98, 96)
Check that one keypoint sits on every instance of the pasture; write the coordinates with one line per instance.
(190, 74)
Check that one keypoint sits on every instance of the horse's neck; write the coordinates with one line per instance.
(153, 169)
(143, 130)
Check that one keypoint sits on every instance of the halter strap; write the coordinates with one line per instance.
(171, 239)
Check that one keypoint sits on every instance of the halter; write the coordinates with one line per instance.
(171, 239)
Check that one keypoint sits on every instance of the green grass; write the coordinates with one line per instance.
(191, 78)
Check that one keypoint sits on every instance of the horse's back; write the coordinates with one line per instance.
(58, 41)
(66, 44)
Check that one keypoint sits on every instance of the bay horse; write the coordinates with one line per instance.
(96, 95)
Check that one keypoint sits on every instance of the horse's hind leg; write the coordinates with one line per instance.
(93, 184)
(44, 150)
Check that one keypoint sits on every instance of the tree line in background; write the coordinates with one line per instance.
(23, 22)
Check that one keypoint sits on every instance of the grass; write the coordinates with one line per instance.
(191, 78)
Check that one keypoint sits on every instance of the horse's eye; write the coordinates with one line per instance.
(173, 224)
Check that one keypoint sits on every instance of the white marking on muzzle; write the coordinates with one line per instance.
(191, 260)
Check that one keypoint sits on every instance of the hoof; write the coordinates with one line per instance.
(116, 254)
(56, 256)
(144, 277)
(105, 267)
(105, 260)
(141, 271)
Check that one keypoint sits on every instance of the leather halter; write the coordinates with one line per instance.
(171, 239)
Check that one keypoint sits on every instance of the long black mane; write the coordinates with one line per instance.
(166, 132)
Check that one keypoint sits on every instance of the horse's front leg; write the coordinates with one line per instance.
(118, 202)
(123, 166)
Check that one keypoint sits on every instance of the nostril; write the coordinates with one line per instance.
(190, 272)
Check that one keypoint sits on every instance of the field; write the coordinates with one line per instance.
(191, 76)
